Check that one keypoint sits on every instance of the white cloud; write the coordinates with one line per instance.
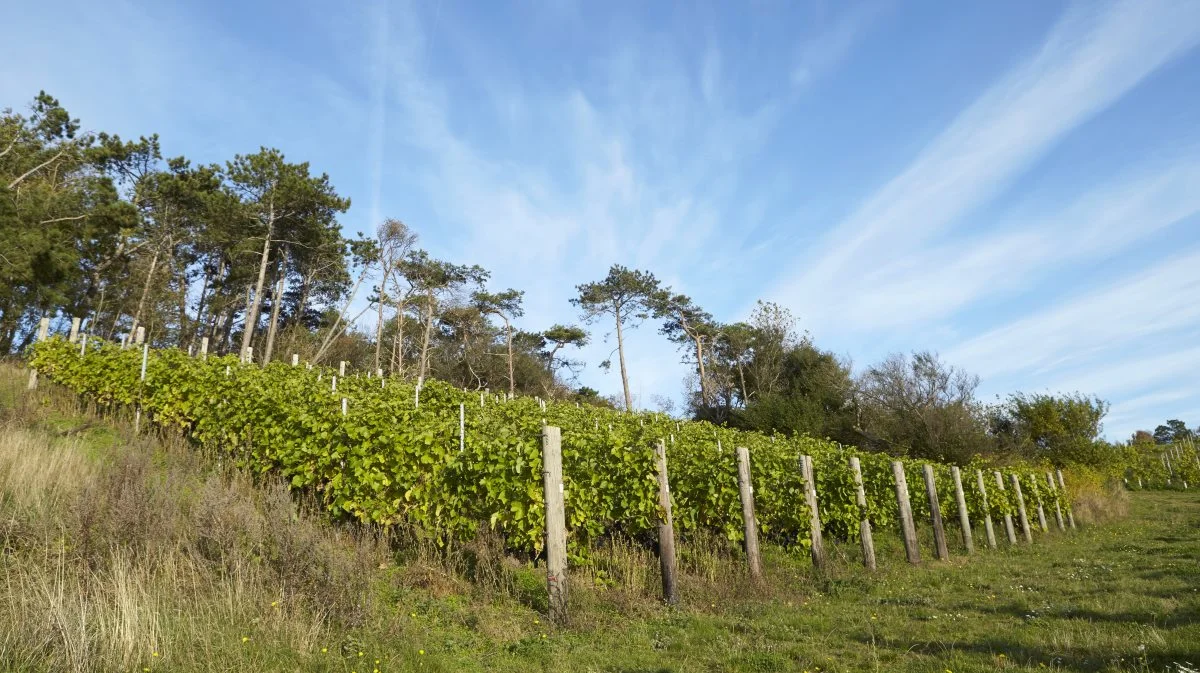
(821, 53)
(1089, 60)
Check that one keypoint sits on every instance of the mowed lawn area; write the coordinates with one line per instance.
(132, 553)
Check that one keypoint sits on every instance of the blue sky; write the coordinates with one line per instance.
(1015, 185)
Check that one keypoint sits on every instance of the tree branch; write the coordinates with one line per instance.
(35, 169)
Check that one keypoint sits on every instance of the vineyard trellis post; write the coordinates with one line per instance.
(43, 331)
(908, 530)
(83, 344)
(1022, 516)
(864, 524)
(935, 514)
(295, 359)
(462, 427)
(1062, 485)
(342, 368)
(556, 524)
(1058, 517)
(749, 526)
(1008, 520)
(1037, 497)
(666, 528)
(74, 336)
(204, 348)
(814, 512)
(987, 512)
(137, 413)
(139, 336)
(964, 519)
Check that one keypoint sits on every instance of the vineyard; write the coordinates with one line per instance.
(448, 461)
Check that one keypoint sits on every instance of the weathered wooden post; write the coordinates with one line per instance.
(964, 518)
(1062, 485)
(204, 348)
(864, 524)
(333, 387)
(556, 523)
(1016, 484)
(935, 514)
(295, 359)
(344, 407)
(1008, 520)
(462, 427)
(908, 531)
(140, 335)
(342, 368)
(1058, 517)
(249, 357)
(43, 331)
(814, 512)
(74, 330)
(1041, 511)
(749, 525)
(83, 344)
(987, 512)
(666, 528)
(137, 413)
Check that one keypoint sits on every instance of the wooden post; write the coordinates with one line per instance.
(334, 385)
(295, 359)
(1058, 517)
(864, 524)
(140, 336)
(344, 407)
(74, 330)
(462, 427)
(814, 513)
(83, 344)
(204, 348)
(342, 368)
(1008, 521)
(987, 512)
(137, 412)
(42, 333)
(249, 356)
(907, 530)
(746, 492)
(935, 514)
(666, 528)
(556, 523)
(964, 518)
(1041, 511)
(1016, 484)
(1062, 485)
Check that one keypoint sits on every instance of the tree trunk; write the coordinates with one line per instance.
(276, 302)
(742, 378)
(379, 322)
(512, 381)
(201, 305)
(700, 366)
(137, 315)
(425, 341)
(621, 357)
(252, 307)
(398, 342)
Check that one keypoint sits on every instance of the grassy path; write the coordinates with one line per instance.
(228, 575)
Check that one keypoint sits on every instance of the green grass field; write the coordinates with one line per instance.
(131, 553)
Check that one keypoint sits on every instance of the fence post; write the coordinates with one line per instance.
(864, 524)
(83, 344)
(74, 330)
(204, 348)
(814, 511)
(935, 514)
(1063, 486)
(1024, 519)
(907, 530)
(1041, 511)
(666, 528)
(964, 518)
(1058, 517)
(342, 368)
(43, 331)
(556, 523)
(140, 335)
(137, 414)
(295, 359)
(746, 493)
(987, 511)
(1008, 521)
(462, 427)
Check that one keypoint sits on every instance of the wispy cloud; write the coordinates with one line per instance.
(1090, 59)
(822, 52)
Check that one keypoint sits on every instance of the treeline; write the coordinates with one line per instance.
(249, 255)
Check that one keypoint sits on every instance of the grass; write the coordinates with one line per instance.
(135, 553)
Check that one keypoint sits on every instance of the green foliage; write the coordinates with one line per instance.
(395, 458)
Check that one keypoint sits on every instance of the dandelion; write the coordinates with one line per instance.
(421, 652)
(154, 654)
(245, 639)
(324, 650)
(360, 654)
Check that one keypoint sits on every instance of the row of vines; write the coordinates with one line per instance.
(382, 451)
